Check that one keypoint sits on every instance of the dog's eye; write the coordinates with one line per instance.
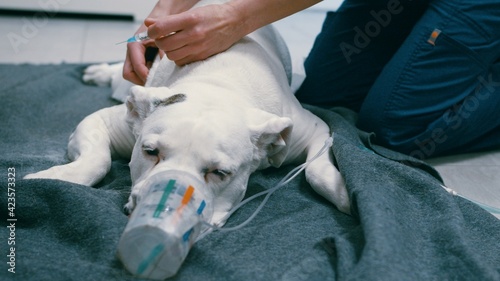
(151, 151)
(221, 174)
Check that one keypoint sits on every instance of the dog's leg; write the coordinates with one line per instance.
(102, 74)
(91, 146)
(322, 174)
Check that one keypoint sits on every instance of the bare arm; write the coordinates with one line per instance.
(208, 30)
(258, 13)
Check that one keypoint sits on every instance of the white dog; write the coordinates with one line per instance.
(219, 120)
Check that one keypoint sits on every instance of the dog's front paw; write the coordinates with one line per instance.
(62, 172)
(327, 181)
(341, 200)
(99, 74)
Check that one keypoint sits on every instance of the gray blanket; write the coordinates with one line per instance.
(404, 225)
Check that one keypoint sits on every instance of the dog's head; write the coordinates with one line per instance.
(207, 136)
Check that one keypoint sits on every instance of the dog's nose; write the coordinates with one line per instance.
(131, 204)
(127, 211)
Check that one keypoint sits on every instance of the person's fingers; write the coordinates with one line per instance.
(148, 22)
(135, 69)
(189, 42)
(161, 53)
(187, 54)
(139, 63)
(165, 26)
(173, 42)
(129, 73)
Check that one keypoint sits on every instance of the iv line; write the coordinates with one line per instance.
(489, 208)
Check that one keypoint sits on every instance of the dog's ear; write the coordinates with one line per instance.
(142, 101)
(270, 134)
(139, 104)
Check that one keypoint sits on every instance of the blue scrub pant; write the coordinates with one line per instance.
(424, 76)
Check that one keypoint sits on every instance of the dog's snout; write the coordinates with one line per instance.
(126, 210)
(132, 202)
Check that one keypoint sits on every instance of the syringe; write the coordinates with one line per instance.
(136, 38)
(139, 37)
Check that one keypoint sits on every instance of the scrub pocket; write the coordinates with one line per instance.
(440, 73)
(452, 48)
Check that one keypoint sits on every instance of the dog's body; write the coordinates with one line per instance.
(220, 120)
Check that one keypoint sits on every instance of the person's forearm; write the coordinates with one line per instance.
(169, 7)
(258, 13)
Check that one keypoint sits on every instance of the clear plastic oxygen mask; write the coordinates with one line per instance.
(165, 224)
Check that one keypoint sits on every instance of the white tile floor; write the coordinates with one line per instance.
(26, 40)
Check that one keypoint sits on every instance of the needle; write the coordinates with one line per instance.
(136, 38)
(141, 37)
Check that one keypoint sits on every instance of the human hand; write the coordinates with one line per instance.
(134, 68)
(137, 63)
(196, 34)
